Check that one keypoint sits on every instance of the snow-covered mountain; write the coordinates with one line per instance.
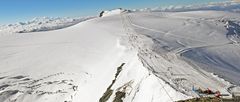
(232, 6)
(41, 24)
(124, 56)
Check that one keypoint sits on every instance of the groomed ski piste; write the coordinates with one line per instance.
(124, 56)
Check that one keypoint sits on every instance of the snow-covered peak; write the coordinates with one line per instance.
(112, 12)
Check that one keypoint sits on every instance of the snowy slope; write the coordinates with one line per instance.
(134, 57)
(184, 43)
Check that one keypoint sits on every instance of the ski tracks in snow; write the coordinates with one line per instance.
(170, 68)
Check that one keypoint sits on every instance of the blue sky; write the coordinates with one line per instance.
(22, 10)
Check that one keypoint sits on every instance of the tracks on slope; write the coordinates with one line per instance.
(170, 72)
(179, 51)
(135, 39)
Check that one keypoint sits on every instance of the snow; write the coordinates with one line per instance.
(40, 24)
(232, 6)
(113, 12)
(165, 55)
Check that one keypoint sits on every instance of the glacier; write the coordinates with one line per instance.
(140, 56)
